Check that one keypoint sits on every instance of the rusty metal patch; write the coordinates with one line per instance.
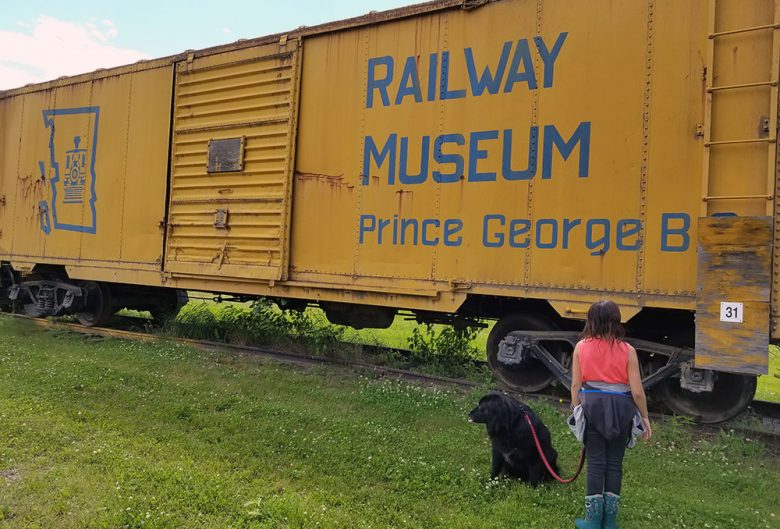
(226, 155)
(732, 302)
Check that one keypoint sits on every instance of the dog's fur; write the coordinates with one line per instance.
(514, 451)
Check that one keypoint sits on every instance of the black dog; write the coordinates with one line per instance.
(514, 450)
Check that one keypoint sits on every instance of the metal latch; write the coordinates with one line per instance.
(763, 126)
(221, 219)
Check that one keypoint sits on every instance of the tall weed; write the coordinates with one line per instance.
(259, 324)
(446, 345)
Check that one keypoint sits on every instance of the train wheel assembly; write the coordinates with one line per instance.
(528, 375)
(707, 396)
(169, 305)
(97, 305)
(32, 308)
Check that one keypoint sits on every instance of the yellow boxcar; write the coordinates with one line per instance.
(512, 159)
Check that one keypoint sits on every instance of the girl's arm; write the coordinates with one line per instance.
(576, 377)
(637, 390)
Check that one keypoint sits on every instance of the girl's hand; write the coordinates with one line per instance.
(648, 433)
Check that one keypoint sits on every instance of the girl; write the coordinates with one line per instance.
(606, 380)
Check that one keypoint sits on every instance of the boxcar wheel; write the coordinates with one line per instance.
(169, 306)
(731, 395)
(98, 304)
(529, 375)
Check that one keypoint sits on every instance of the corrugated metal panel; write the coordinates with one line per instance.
(233, 223)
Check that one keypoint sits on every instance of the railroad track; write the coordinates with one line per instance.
(765, 413)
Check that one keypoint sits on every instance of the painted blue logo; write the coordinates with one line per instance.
(75, 177)
(72, 154)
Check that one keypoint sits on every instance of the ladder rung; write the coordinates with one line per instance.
(744, 85)
(736, 197)
(743, 30)
(734, 142)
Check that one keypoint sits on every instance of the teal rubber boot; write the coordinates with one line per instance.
(611, 508)
(594, 513)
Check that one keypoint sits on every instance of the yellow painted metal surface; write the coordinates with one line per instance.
(84, 171)
(233, 223)
(598, 189)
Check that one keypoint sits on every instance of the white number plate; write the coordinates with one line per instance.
(731, 311)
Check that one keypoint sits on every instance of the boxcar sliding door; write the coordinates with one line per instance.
(232, 152)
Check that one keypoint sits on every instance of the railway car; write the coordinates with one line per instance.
(513, 160)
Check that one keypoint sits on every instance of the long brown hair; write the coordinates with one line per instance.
(604, 322)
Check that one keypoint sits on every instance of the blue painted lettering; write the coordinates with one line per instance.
(596, 237)
(625, 229)
(451, 228)
(493, 239)
(455, 159)
(476, 154)
(389, 157)
(506, 166)
(388, 151)
(487, 81)
(383, 223)
(522, 57)
(568, 225)
(367, 224)
(517, 228)
(483, 77)
(410, 82)
(680, 232)
(427, 241)
(403, 176)
(379, 84)
(599, 245)
(552, 138)
(548, 56)
(553, 224)
(446, 93)
(433, 70)
(405, 223)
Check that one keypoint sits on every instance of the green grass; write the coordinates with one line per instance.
(103, 433)
(769, 385)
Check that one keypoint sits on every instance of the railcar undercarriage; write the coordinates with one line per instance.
(527, 349)
(527, 355)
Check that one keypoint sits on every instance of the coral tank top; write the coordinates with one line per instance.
(602, 361)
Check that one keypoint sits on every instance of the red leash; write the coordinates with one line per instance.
(544, 459)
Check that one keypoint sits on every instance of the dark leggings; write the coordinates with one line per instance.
(605, 462)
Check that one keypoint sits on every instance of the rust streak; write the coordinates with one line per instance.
(334, 180)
